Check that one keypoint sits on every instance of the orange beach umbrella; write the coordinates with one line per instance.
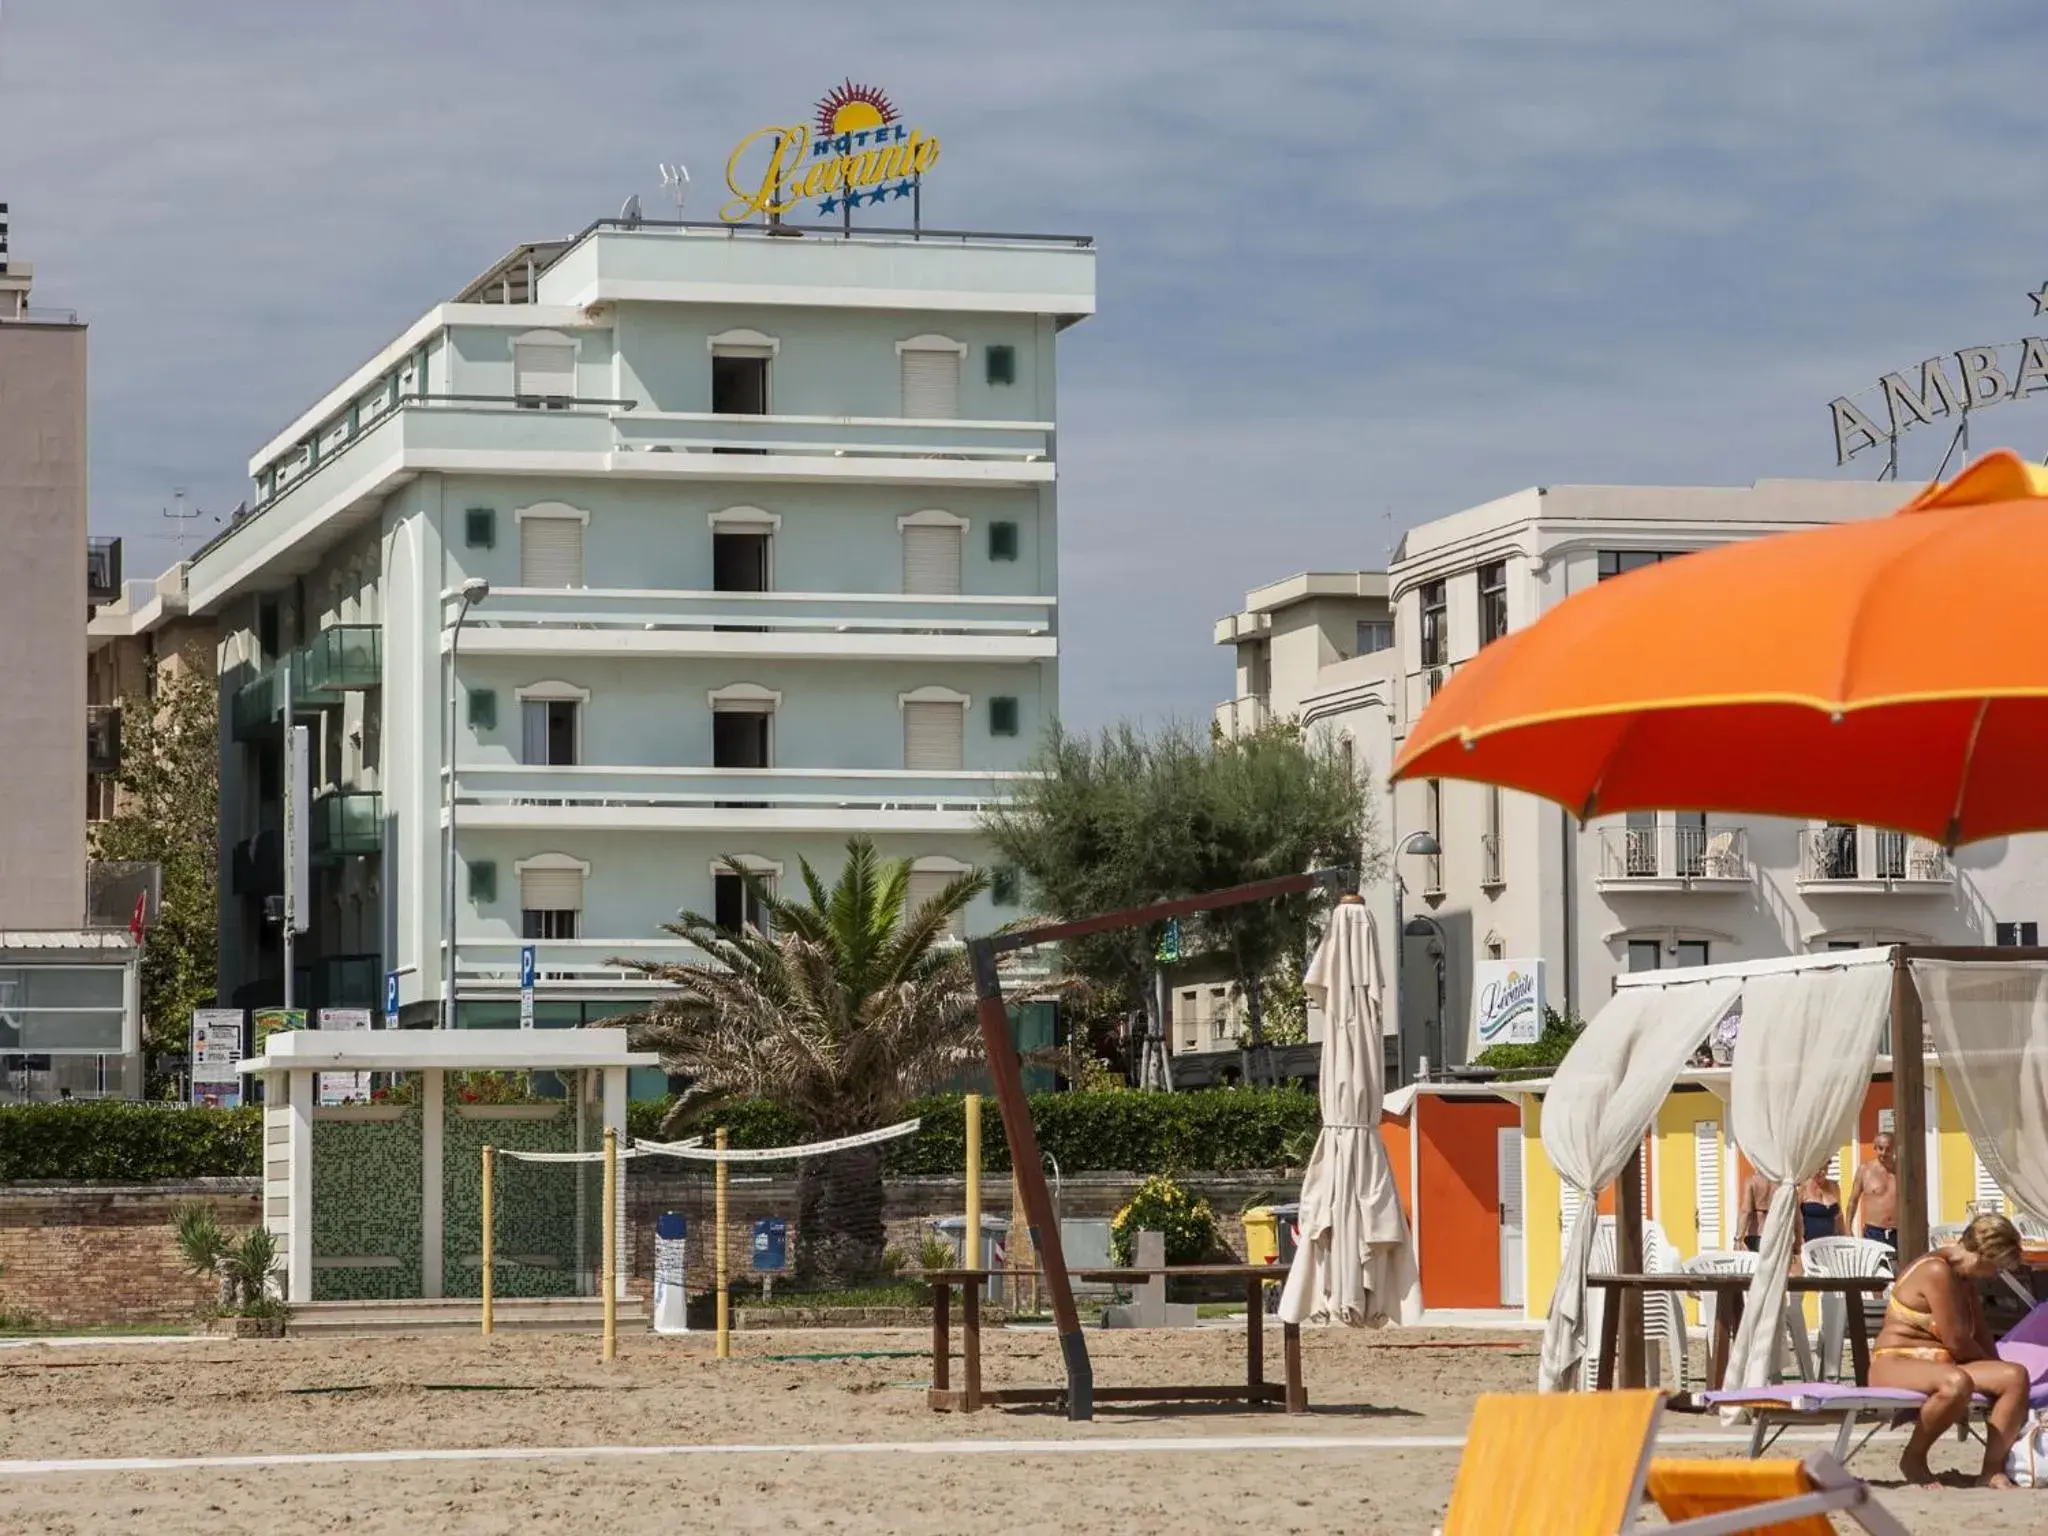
(1892, 672)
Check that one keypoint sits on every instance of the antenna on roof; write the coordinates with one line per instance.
(180, 514)
(676, 180)
(630, 214)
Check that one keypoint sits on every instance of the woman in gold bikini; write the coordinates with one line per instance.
(1935, 1340)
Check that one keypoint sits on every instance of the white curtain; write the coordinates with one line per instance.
(1989, 1024)
(1802, 1067)
(1603, 1098)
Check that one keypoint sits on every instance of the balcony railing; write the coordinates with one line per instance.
(1667, 856)
(625, 797)
(1239, 716)
(492, 965)
(840, 437)
(1869, 858)
(102, 570)
(347, 822)
(803, 615)
(103, 738)
(340, 659)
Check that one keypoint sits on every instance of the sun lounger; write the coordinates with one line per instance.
(1577, 1464)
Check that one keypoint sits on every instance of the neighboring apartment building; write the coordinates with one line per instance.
(69, 1012)
(1290, 630)
(768, 523)
(147, 634)
(1520, 879)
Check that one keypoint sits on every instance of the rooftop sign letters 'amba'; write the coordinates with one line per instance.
(1953, 384)
(857, 151)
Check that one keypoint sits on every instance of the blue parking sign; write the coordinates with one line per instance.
(391, 996)
(526, 967)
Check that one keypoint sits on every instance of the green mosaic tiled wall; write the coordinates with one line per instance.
(366, 1203)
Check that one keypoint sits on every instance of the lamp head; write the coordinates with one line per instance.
(475, 590)
(1424, 843)
(1419, 927)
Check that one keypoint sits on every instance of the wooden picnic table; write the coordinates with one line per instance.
(972, 1397)
(1729, 1292)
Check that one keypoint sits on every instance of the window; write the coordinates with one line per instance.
(739, 383)
(1186, 1020)
(1375, 635)
(1436, 648)
(543, 370)
(551, 896)
(548, 732)
(1690, 952)
(1493, 601)
(1219, 1014)
(931, 377)
(1690, 828)
(1433, 864)
(483, 709)
(551, 546)
(739, 561)
(1496, 949)
(1002, 364)
(1347, 756)
(928, 877)
(2011, 934)
(1002, 716)
(480, 528)
(1003, 886)
(1639, 853)
(62, 1009)
(933, 730)
(931, 552)
(1619, 562)
(734, 905)
(1491, 875)
(1644, 955)
(739, 738)
(1002, 541)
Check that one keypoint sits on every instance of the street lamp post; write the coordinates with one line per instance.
(1424, 843)
(474, 591)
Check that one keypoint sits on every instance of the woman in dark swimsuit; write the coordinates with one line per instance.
(1820, 1208)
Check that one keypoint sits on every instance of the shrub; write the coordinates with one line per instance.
(1161, 1205)
(1560, 1031)
(128, 1143)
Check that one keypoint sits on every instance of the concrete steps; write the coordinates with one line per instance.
(553, 1314)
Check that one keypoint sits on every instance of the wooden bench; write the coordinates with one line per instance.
(972, 1396)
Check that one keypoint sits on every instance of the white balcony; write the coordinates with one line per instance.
(836, 800)
(489, 968)
(969, 449)
(1237, 717)
(1674, 858)
(1844, 860)
(851, 626)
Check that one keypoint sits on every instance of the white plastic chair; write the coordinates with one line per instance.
(1663, 1318)
(1740, 1261)
(2032, 1227)
(1947, 1232)
(1844, 1257)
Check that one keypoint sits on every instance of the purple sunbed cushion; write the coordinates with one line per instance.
(2031, 1329)
(1822, 1394)
(2029, 1354)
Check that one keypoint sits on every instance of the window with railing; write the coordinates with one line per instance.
(1493, 601)
(1639, 845)
(1433, 864)
(1435, 623)
(1619, 562)
(1490, 839)
(1689, 842)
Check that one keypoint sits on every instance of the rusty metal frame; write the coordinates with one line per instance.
(1007, 1075)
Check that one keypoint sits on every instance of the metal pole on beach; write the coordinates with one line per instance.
(724, 1315)
(611, 1243)
(486, 1245)
(971, 1243)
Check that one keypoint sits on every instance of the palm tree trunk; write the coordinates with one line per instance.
(839, 1233)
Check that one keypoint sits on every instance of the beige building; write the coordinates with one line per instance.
(147, 634)
(1288, 631)
(1518, 878)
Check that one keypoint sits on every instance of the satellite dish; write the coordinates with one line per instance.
(630, 214)
(676, 179)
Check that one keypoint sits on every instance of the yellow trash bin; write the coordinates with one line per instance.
(1261, 1236)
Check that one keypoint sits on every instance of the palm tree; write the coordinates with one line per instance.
(849, 1006)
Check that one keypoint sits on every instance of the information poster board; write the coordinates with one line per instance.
(1507, 1003)
(344, 1087)
(216, 1047)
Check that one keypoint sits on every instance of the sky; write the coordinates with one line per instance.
(1361, 263)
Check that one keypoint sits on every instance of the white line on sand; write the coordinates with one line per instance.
(1107, 1446)
(94, 1340)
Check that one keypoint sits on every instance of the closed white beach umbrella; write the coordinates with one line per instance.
(1354, 1264)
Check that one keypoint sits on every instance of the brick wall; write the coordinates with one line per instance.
(84, 1255)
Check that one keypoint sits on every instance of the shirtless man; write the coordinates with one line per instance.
(1874, 1196)
(1756, 1204)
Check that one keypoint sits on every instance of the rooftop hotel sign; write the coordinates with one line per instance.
(855, 151)
(1952, 384)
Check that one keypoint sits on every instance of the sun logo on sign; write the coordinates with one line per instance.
(850, 108)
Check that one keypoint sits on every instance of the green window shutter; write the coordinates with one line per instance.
(1002, 364)
(1002, 716)
(1002, 886)
(1002, 541)
(483, 881)
(483, 709)
(480, 528)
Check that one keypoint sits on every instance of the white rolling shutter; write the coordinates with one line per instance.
(931, 558)
(1569, 1201)
(1985, 1194)
(933, 737)
(550, 552)
(931, 384)
(551, 890)
(1884, 1121)
(544, 369)
(1706, 1174)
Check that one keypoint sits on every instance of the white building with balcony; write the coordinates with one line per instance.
(1519, 878)
(768, 522)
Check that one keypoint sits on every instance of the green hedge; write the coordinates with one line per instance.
(1213, 1131)
(1219, 1130)
(128, 1143)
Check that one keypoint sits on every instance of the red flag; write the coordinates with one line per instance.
(135, 923)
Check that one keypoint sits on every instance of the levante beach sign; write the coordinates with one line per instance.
(1954, 384)
(855, 151)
